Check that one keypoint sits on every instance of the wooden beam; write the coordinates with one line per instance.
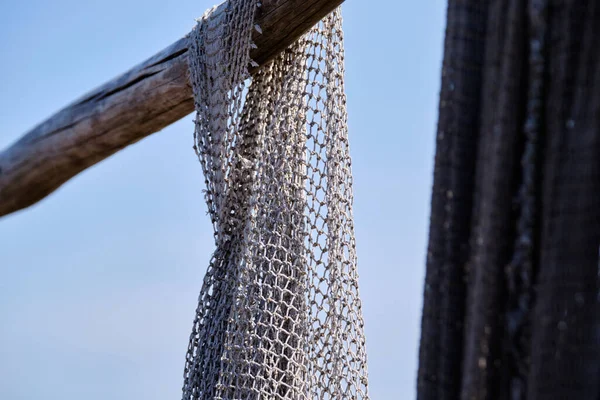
(142, 101)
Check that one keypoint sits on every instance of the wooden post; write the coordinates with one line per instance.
(142, 101)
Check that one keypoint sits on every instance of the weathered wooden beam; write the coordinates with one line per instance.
(142, 101)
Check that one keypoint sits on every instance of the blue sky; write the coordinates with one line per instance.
(100, 280)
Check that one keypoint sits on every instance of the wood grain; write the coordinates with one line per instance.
(142, 101)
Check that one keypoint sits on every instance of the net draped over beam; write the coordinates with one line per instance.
(512, 294)
(142, 101)
(279, 314)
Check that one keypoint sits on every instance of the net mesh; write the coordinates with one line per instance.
(279, 314)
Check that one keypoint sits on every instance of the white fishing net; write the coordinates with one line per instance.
(279, 314)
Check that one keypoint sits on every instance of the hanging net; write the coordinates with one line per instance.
(512, 290)
(279, 314)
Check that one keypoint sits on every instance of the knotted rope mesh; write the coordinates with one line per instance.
(279, 314)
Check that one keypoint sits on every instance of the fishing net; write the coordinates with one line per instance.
(279, 314)
(512, 290)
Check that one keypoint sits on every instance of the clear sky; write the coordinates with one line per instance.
(99, 281)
